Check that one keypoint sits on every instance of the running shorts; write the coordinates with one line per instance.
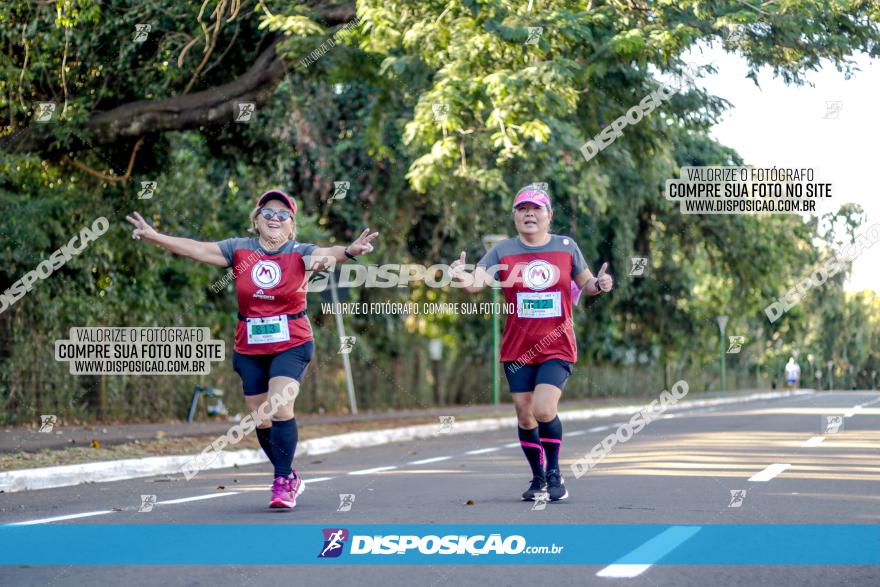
(525, 377)
(256, 370)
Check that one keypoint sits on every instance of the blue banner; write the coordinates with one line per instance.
(121, 544)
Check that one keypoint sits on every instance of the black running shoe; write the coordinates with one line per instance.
(556, 485)
(537, 486)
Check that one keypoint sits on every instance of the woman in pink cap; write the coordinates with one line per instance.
(542, 274)
(273, 339)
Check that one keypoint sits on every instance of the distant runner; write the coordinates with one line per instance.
(273, 339)
(792, 373)
(540, 273)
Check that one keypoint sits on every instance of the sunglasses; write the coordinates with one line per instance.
(269, 214)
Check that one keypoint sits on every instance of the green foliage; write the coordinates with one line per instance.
(435, 112)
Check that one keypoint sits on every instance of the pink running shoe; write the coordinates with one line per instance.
(285, 490)
(281, 494)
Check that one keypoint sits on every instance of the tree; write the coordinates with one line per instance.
(434, 112)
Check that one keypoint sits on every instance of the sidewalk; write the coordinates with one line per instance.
(74, 465)
(15, 439)
(29, 439)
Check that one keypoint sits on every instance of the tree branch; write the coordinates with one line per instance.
(104, 176)
(211, 107)
(214, 106)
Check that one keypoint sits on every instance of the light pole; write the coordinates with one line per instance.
(830, 365)
(722, 324)
(489, 241)
(346, 363)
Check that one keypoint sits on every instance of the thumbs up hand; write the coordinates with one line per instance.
(456, 269)
(604, 282)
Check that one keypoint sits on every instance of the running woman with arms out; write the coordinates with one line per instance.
(540, 273)
(273, 338)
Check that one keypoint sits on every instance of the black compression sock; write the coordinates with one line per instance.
(263, 435)
(551, 440)
(531, 445)
(283, 436)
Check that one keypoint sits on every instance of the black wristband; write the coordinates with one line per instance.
(349, 255)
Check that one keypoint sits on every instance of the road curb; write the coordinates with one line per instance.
(104, 471)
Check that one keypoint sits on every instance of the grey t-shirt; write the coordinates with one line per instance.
(514, 247)
(251, 243)
(538, 281)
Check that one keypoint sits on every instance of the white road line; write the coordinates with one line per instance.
(373, 470)
(815, 441)
(431, 460)
(481, 451)
(852, 412)
(599, 428)
(770, 472)
(576, 433)
(60, 518)
(653, 550)
(166, 502)
(511, 445)
(196, 498)
(623, 571)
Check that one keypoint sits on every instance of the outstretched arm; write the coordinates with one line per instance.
(205, 252)
(323, 257)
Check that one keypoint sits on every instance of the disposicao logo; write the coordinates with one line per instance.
(334, 540)
(457, 545)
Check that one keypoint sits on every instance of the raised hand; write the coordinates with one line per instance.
(142, 230)
(363, 244)
(603, 280)
(456, 269)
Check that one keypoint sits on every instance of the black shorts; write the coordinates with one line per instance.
(525, 377)
(256, 370)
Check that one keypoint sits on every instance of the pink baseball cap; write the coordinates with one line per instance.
(533, 194)
(277, 195)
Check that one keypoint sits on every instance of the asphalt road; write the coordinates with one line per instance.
(679, 470)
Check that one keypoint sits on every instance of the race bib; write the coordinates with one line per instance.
(267, 329)
(544, 304)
